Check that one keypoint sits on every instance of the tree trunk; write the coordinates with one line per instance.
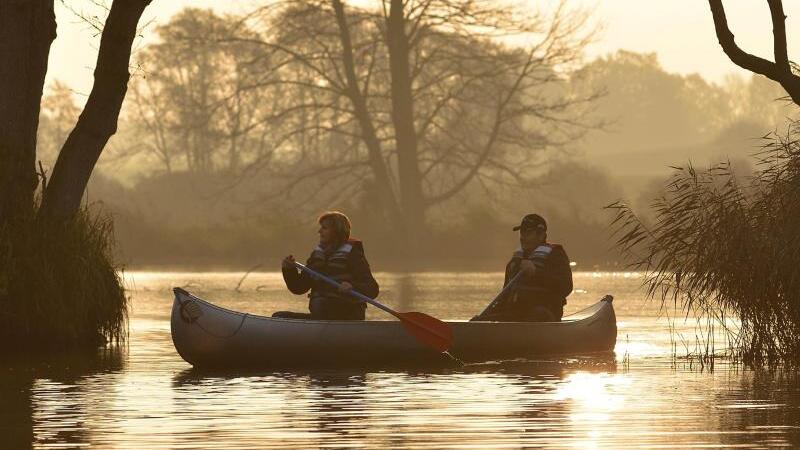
(410, 179)
(27, 28)
(98, 121)
(368, 134)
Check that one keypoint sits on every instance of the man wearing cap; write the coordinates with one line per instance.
(540, 291)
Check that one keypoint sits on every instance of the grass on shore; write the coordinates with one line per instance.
(59, 286)
(721, 247)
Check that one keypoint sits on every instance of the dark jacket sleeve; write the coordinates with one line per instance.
(297, 281)
(363, 281)
(557, 274)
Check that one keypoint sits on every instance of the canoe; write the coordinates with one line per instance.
(206, 335)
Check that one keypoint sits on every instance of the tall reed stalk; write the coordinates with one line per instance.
(719, 246)
(59, 286)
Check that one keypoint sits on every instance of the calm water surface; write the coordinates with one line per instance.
(146, 396)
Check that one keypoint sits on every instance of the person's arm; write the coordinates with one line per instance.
(297, 281)
(363, 281)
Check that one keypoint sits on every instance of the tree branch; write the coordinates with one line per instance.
(779, 35)
(778, 71)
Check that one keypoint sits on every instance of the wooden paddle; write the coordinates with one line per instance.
(426, 329)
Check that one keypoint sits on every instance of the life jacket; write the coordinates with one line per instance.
(334, 265)
(526, 291)
(538, 256)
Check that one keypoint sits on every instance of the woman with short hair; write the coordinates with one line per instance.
(339, 257)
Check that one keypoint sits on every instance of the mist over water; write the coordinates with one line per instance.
(145, 396)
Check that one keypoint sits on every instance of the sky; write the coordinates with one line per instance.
(681, 32)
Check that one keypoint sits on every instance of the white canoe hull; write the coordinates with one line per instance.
(206, 335)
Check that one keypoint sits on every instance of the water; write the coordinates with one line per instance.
(145, 396)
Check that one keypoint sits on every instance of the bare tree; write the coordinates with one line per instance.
(781, 70)
(361, 111)
(193, 107)
(435, 100)
(98, 121)
(151, 109)
(27, 28)
(399, 34)
(326, 122)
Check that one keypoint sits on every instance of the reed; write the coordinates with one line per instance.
(59, 286)
(720, 247)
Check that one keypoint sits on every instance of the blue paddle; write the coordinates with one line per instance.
(426, 329)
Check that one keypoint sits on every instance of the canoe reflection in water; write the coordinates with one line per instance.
(323, 404)
(206, 335)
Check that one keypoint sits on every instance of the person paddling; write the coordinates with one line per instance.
(340, 258)
(544, 282)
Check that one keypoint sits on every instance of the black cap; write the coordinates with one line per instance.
(532, 221)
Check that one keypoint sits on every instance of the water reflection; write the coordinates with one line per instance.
(54, 402)
(272, 408)
(16, 421)
(341, 409)
(504, 402)
(579, 402)
(764, 405)
(147, 397)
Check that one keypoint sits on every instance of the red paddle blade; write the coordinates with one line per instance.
(428, 330)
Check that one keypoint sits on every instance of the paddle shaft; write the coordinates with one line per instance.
(336, 284)
(505, 290)
(428, 330)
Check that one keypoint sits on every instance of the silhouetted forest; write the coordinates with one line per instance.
(239, 130)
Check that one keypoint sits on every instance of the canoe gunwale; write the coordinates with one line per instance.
(578, 316)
